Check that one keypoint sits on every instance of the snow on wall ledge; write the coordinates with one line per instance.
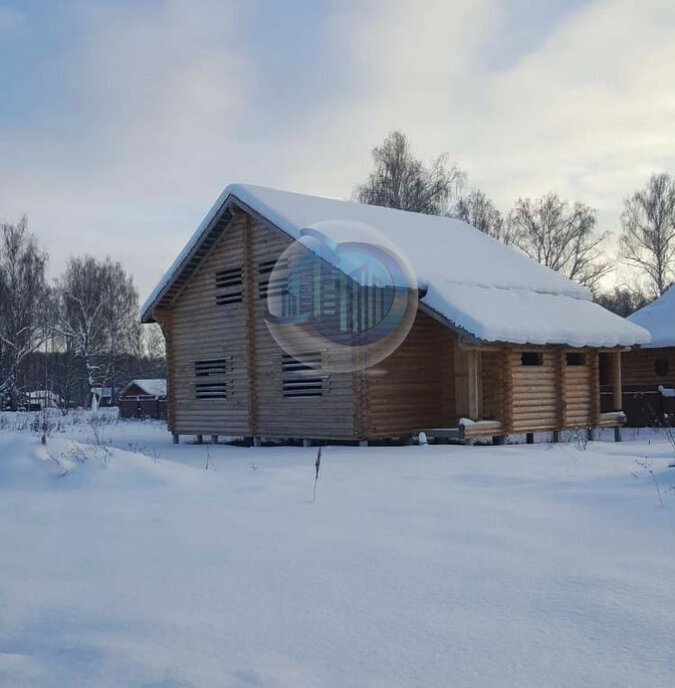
(473, 281)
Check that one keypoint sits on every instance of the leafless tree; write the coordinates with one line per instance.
(561, 236)
(479, 211)
(402, 181)
(648, 238)
(623, 300)
(153, 341)
(24, 303)
(98, 316)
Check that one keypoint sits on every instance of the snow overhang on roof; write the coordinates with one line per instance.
(152, 387)
(473, 283)
(658, 318)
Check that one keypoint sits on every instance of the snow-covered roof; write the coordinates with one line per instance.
(474, 283)
(658, 318)
(39, 394)
(153, 388)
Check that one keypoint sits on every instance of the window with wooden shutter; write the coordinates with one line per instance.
(211, 378)
(229, 286)
(267, 285)
(575, 358)
(303, 379)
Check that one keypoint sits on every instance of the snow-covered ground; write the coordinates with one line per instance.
(127, 563)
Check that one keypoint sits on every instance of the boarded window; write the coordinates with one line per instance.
(661, 366)
(211, 378)
(575, 359)
(532, 358)
(228, 286)
(303, 379)
(267, 285)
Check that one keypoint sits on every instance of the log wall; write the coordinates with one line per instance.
(553, 395)
(413, 388)
(329, 416)
(646, 368)
(199, 329)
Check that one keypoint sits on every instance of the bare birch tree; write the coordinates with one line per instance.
(648, 239)
(98, 315)
(153, 341)
(402, 181)
(479, 211)
(560, 236)
(24, 303)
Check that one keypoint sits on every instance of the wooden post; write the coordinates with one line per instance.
(506, 378)
(200, 439)
(617, 400)
(214, 439)
(257, 442)
(561, 391)
(529, 438)
(474, 382)
(556, 436)
(176, 439)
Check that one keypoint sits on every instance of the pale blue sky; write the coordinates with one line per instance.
(121, 121)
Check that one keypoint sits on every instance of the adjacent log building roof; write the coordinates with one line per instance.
(471, 282)
(658, 318)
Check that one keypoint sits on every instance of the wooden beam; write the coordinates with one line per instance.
(616, 381)
(475, 388)
(594, 372)
(561, 390)
(506, 380)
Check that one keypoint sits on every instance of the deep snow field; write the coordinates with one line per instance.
(124, 561)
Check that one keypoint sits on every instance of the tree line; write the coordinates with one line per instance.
(81, 333)
(75, 337)
(558, 233)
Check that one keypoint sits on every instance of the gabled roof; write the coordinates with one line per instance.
(473, 282)
(154, 388)
(658, 318)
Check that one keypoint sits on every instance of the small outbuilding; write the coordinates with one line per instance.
(143, 399)
(40, 399)
(498, 344)
(649, 372)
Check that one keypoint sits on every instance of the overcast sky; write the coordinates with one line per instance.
(120, 122)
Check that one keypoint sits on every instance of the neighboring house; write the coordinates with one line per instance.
(653, 365)
(143, 399)
(40, 399)
(499, 343)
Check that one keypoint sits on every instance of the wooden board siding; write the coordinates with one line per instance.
(413, 388)
(330, 416)
(200, 329)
